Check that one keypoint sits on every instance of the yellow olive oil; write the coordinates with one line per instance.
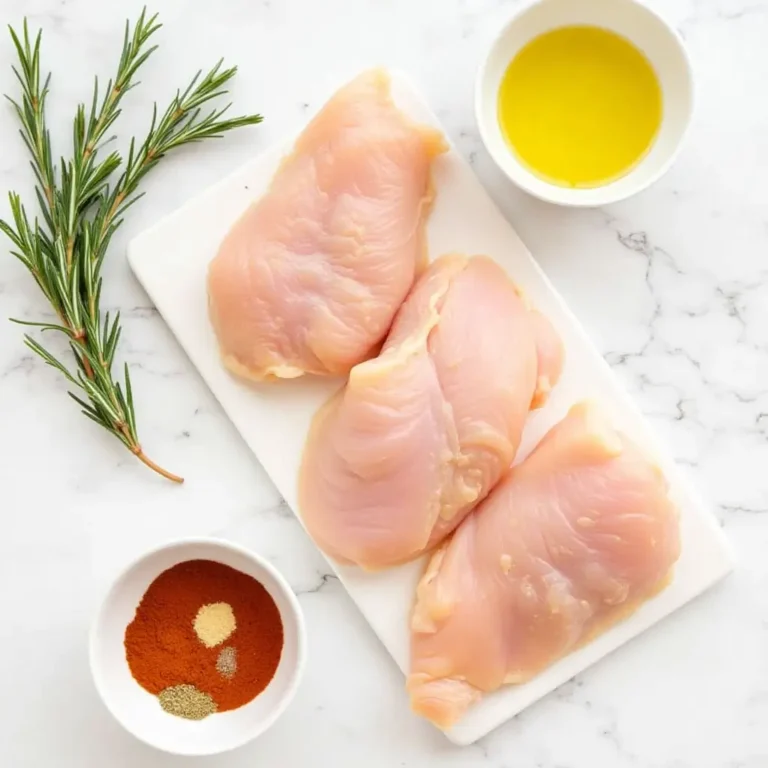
(580, 106)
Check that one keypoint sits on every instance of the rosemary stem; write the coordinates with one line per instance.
(142, 457)
(70, 251)
(86, 363)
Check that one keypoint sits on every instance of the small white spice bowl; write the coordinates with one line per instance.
(657, 39)
(138, 711)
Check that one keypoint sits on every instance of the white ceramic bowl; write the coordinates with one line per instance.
(138, 711)
(650, 33)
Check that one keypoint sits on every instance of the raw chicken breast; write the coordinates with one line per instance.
(310, 277)
(573, 539)
(422, 433)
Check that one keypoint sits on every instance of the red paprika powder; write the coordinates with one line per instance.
(163, 649)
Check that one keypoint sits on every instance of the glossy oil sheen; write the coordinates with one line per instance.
(580, 106)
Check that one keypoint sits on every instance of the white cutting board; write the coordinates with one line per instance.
(170, 260)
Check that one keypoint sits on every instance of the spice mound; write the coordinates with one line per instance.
(174, 643)
(214, 623)
(227, 662)
(186, 701)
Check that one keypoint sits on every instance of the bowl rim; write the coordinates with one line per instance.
(301, 641)
(573, 197)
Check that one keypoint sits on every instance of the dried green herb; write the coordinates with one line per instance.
(186, 701)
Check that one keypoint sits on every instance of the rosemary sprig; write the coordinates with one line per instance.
(82, 201)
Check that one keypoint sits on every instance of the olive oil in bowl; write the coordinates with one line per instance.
(580, 106)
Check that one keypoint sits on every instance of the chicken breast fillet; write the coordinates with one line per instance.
(421, 433)
(309, 278)
(573, 539)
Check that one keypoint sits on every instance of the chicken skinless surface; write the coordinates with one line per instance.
(573, 539)
(422, 433)
(310, 277)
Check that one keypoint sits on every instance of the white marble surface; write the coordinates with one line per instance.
(672, 286)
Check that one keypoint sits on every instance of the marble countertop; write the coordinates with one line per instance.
(672, 286)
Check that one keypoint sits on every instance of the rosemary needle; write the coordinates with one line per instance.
(82, 202)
